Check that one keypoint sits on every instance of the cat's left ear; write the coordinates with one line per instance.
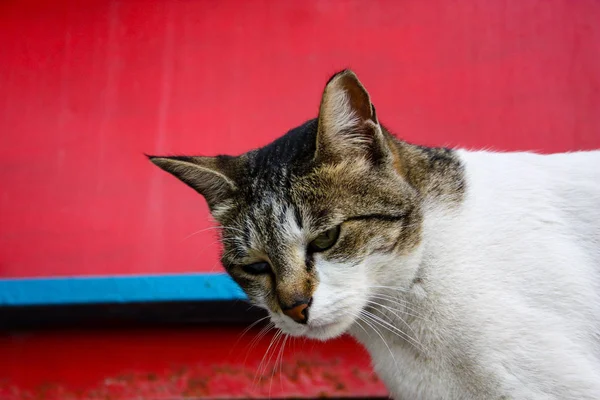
(212, 177)
(348, 125)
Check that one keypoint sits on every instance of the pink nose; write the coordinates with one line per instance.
(299, 312)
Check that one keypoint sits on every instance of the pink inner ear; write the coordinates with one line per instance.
(358, 96)
(348, 126)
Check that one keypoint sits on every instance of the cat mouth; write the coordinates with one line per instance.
(323, 329)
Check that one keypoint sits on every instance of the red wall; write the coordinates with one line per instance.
(87, 87)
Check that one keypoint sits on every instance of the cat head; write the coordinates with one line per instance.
(317, 221)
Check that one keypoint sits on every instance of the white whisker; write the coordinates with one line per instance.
(274, 365)
(406, 308)
(258, 337)
(262, 367)
(245, 331)
(399, 317)
(358, 317)
(392, 329)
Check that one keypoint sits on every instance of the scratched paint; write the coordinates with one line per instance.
(205, 362)
(301, 377)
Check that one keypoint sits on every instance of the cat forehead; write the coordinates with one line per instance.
(307, 203)
(279, 196)
(268, 224)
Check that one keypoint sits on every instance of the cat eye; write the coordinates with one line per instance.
(258, 268)
(325, 240)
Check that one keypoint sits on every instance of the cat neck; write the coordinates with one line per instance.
(399, 314)
(435, 172)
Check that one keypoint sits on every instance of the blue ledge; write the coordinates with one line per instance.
(120, 289)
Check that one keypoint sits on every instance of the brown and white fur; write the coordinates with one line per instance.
(466, 275)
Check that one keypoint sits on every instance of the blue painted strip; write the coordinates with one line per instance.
(121, 289)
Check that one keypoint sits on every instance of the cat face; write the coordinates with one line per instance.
(313, 222)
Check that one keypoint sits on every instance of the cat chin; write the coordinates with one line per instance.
(317, 332)
(326, 332)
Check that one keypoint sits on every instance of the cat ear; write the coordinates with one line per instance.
(212, 177)
(348, 125)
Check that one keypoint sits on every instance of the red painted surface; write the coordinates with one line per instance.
(174, 364)
(87, 87)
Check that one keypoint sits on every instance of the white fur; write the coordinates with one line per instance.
(508, 301)
(338, 114)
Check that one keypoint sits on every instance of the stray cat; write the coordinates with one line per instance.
(466, 275)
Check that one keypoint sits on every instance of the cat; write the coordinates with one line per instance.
(465, 274)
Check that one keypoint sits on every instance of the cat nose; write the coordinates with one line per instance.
(298, 311)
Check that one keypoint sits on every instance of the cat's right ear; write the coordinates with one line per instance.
(348, 126)
(212, 177)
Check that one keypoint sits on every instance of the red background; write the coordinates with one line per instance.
(87, 87)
